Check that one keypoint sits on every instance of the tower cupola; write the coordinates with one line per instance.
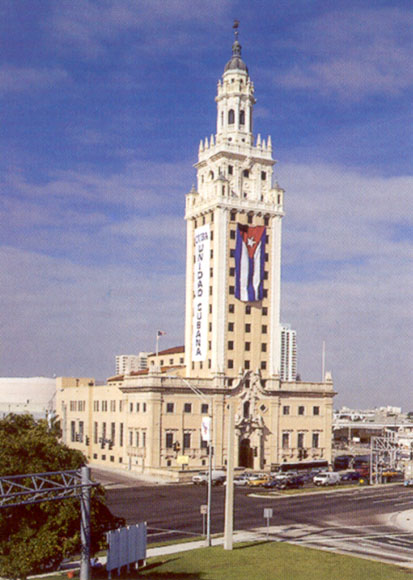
(235, 99)
(236, 62)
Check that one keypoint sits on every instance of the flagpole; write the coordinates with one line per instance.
(157, 343)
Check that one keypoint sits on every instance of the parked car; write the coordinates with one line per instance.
(350, 477)
(281, 475)
(240, 479)
(218, 477)
(270, 484)
(326, 478)
(259, 480)
(293, 482)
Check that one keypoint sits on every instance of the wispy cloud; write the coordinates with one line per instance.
(57, 306)
(347, 280)
(92, 28)
(353, 54)
(24, 79)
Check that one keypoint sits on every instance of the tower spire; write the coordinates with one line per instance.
(236, 61)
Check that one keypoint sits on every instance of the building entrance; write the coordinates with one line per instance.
(246, 455)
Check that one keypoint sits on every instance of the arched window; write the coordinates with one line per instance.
(242, 117)
(246, 409)
(231, 117)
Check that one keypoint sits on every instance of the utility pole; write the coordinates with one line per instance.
(229, 492)
(85, 524)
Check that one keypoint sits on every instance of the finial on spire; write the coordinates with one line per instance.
(236, 62)
(235, 26)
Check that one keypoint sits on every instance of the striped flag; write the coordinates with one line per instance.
(249, 263)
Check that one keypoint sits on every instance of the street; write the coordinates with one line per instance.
(360, 520)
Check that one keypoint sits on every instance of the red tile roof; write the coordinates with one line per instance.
(172, 350)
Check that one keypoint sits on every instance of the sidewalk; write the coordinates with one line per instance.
(238, 536)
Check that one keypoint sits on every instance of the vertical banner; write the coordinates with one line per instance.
(202, 237)
(249, 263)
(206, 429)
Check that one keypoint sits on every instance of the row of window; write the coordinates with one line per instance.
(231, 117)
(286, 440)
(170, 408)
(250, 218)
(233, 217)
(248, 310)
(77, 405)
(170, 362)
(107, 437)
(137, 407)
(247, 346)
(104, 407)
(137, 438)
(300, 410)
(186, 442)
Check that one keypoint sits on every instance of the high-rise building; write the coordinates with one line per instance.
(127, 363)
(234, 242)
(150, 420)
(288, 370)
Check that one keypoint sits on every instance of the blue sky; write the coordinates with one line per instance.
(102, 107)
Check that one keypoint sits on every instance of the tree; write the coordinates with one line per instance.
(35, 538)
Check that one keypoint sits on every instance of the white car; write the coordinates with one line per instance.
(240, 480)
(217, 477)
(326, 478)
(282, 475)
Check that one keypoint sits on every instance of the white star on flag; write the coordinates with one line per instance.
(251, 242)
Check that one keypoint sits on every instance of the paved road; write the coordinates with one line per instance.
(360, 521)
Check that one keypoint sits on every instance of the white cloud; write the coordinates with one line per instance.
(23, 79)
(63, 318)
(346, 274)
(353, 54)
(156, 24)
(348, 279)
(140, 184)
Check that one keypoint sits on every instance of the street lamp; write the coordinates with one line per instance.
(201, 396)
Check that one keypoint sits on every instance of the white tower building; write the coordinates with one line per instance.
(234, 242)
(288, 353)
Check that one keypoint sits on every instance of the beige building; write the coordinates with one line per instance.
(150, 421)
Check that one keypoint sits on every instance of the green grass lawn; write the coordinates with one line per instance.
(268, 561)
(262, 561)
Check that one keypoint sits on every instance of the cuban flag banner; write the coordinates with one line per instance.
(249, 263)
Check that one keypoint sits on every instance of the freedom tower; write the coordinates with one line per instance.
(233, 264)
(229, 372)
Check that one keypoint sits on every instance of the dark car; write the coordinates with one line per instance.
(293, 482)
(270, 484)
(350, 477)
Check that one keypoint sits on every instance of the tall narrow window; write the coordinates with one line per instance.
(242, 117)
(231, 117)
(187, 440)
(169, 440)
